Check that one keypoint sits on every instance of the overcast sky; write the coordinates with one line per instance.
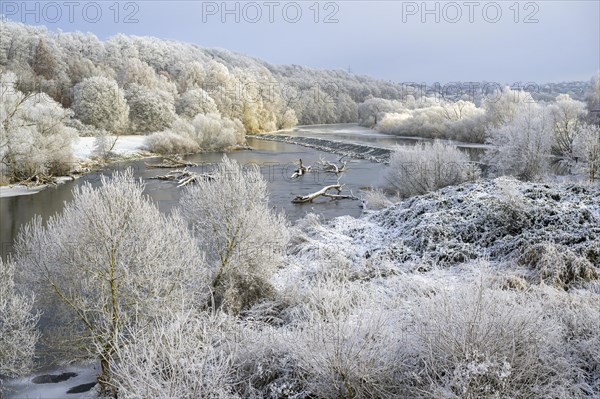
(498, 41)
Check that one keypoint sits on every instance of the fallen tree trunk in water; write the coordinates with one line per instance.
(324, 192)
(184, 177)
(170, 163)
(301, 171)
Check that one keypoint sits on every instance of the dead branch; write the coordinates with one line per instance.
(330, 167)
(183, 177)
(39, 179)
(301, 171)
(172, 162)
(324, 192)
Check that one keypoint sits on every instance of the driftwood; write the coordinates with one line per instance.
(330, 167)
(301, 171)
(183, 177)
(324, 192)
(39, 179)
(171, 162)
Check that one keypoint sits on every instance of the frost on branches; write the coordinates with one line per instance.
(244, 237)
(114, 262)
(18, 330)
(33, 137)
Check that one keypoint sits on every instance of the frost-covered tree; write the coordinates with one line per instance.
(502, 105)
(586, 147)
(419, 169)
(244, 237)
(593, 100)
(18, 326)
(522, 147)
(98, 101)
(346, 109)
(33, 136)
(149, 111)
(138, 72)
(194, 102)
(566, 115)
(114, 262)
(370, 111)
(316, 107)
(288, 119)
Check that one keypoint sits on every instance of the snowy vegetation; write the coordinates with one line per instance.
(33, 136)
(483, 289)
(421, 168)
(18, 332)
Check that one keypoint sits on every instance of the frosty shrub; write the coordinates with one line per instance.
(213, 132)
(350, 355)
(376, 199)
(184, 355)
(33, 136)
(18, 331)
(522, 146)
(419, 169)
(169, 142)
(266, 364)
(98, 101)
(477, 342)
(114, 261)
(557, 265)
(242, 235)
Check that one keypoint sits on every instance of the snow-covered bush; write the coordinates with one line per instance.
(149, 110)
(184, 355)
(243, 236)
(426, 167)
(460, 120)
(377, 199)
(170, 142)
(213, 132)
(350, 355)
(18, 330)
(98, 101)
(114, 261)
(557, 265)
(476, 342)
(33, 136)
(522, 147)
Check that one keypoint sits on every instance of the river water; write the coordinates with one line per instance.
(277, 161)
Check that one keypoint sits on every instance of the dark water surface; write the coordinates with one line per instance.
(277, 162)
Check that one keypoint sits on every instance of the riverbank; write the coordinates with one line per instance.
(126, 148)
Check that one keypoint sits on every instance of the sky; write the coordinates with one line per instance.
(402, 41)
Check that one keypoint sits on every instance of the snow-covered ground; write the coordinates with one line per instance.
(26, 388)
(83, 150)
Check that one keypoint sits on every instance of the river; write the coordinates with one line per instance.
(277, 161)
